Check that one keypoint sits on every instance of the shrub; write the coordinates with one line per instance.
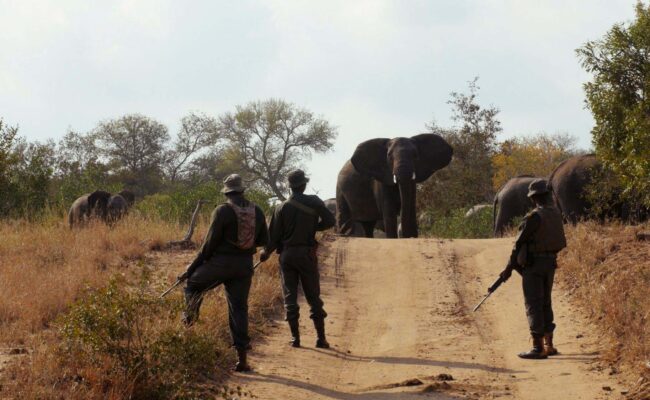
(135, 338)
(455, 225)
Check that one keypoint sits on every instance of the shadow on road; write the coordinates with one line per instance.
(335, 394)
(416, 361)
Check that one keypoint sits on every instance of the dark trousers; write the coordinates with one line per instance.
(537, 282)
(297, 265)
(236, 273)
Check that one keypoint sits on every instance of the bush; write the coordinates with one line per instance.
(178, 205)
(135, 339)
(455, 225)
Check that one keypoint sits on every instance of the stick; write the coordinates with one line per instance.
(190, 230)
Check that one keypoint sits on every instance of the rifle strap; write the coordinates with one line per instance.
(302, 207)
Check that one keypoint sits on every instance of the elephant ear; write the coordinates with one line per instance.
(371, 159)
(98, 198)
(128, 196)
(434, 153)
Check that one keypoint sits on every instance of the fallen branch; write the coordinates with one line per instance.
(186, 242)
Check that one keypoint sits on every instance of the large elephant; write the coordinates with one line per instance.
(379, 182)
(510, 202)
(569, 182)
(100, 204)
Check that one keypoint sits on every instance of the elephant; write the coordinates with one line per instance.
(358, 228)
(569, 183)
(379, 182)
(331, 205)
(117, 208)
(128, 196)
(100, 204)
(510, 202)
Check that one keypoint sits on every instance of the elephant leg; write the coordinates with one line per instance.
(344, 222)
(390, 222)
(369, 228)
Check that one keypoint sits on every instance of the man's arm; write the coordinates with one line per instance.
(527, 229)
(327, 220)
(212, 239)
(262, 237)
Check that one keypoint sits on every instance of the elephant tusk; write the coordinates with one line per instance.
(394, 178)
(413, 176)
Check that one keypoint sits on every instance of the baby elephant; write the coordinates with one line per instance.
(102, 205)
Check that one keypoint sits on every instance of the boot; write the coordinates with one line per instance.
(537, 352)
(242, 364)
(321, 343)
(548, 345)
(294, 325)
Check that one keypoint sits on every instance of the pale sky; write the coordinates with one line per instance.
(373, 68)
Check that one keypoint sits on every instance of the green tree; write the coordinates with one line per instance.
(135, 147)
(618, 99)
(198, 133)
(468, 178)
(267, 139)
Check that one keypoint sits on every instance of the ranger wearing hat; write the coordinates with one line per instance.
(292, 229)
(541, 237)
(238, 228)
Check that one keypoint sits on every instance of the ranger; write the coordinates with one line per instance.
(541, 237)
(238, 227)
(292, 231)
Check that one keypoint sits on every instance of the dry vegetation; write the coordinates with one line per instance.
(82, 306)
(607, 270)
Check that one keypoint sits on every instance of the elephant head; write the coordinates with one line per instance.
(98, 203)
(403, 162)
(128, 196)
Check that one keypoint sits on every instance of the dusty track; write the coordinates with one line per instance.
(400, 315)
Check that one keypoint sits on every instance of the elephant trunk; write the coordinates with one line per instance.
(407, 212)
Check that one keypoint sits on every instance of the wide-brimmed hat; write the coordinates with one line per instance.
(297, 178)
(538, 186)
(233, 183)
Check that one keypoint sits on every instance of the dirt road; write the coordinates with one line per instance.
(401, 326)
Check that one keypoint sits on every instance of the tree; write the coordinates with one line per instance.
(468, 178)
(269, 138)
(536, 156)
(618, 99)
(198, 132)
(135, 148)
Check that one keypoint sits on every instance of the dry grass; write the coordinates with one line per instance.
(46, 268)
(608, 271)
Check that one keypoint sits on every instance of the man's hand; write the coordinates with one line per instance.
(183, 276)
(506, 273)
(264, 255)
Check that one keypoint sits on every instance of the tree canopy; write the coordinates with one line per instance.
(468, 178)
(618, 99)
(267, 139)
(535, 155)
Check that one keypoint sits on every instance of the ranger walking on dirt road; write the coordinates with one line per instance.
(292, 231)
(238, 227)
(541, 237)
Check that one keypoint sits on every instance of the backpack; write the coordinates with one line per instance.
(245, 226)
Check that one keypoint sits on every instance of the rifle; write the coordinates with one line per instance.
(491, 290)
(179, 281)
